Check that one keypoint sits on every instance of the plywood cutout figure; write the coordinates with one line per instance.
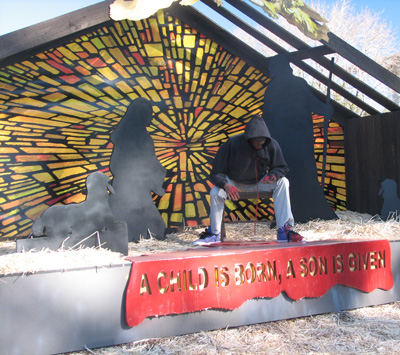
(288, 107)
(137, 173)
(86, 224)
(391, 200)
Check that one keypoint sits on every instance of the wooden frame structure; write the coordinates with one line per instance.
(98, 319)
(34, 36)
(304, 51)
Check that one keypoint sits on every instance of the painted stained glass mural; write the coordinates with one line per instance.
(58, 108)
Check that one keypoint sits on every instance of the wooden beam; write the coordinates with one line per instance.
(16, 42)
(279, 49)
(362, 61)
(311, 53)
(294, 41)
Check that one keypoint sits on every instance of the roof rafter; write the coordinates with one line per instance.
(297, 60)
(309, 53)
(297, 43)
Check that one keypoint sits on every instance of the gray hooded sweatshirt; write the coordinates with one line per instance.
(238, 160)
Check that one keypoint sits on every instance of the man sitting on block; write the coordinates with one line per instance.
(246, 162)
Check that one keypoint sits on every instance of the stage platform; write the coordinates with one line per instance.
(226, 285)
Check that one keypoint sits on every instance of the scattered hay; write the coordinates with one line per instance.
(349, 225)
(371, 330)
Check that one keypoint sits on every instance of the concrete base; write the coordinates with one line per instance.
(63, 311)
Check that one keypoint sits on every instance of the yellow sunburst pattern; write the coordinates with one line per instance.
(59, 107)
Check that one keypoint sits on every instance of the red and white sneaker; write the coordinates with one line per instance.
(285, 234)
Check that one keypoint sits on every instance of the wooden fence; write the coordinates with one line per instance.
(372, 156)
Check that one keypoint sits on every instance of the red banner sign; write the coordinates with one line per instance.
(227, 276)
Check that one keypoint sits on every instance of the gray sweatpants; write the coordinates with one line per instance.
(280, 194)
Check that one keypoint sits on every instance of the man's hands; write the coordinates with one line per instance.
(232, 192)
(269, 179)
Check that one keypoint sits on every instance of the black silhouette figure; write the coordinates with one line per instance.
(137, 173)
(288, 107)
(88, 224)
(391, 200)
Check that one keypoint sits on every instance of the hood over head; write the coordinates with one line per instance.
(279, 65)
(257, 128)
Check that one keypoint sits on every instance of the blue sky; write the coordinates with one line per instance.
(390, 8)
(16, 14)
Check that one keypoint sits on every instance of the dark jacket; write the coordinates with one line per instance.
(236, 158)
